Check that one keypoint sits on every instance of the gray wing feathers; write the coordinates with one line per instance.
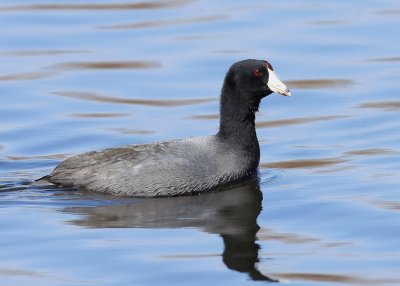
(161, 169)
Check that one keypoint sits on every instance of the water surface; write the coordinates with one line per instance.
(78, 76)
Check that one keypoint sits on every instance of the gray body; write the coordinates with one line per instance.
(186, 166)
(168, 168)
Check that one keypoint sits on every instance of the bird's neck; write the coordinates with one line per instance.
(237, 121)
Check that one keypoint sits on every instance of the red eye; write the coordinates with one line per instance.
(257, 73)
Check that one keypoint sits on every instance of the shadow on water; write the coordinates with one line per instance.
(231, 214)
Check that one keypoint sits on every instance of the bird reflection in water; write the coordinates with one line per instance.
(232, 214)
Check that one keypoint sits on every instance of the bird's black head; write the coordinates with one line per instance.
(254, 79)
(246, 83)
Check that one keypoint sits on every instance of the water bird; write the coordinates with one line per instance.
(184, 166)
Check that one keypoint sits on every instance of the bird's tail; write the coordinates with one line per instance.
(43, 181)
(44, 178)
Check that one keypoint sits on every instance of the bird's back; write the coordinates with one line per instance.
(167, 168)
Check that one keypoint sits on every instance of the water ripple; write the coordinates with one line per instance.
(336, 278)
(326, 22)
(303, 163)
(131, 131)
(382, 105)
(384, 59)
(267, 234)
(371, 152)
(298, 120)
(98, 115)
(26, 76)
(118, 100)
(37, 53)
(389, 12)
(96, 6)
(319, 83)
(105, 65)
(43, 157)
(213, 116)
(163, 23)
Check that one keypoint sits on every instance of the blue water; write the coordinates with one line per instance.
(78, 76)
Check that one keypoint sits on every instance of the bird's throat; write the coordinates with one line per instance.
(237, 120)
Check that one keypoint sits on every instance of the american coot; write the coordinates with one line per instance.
(185, 166)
